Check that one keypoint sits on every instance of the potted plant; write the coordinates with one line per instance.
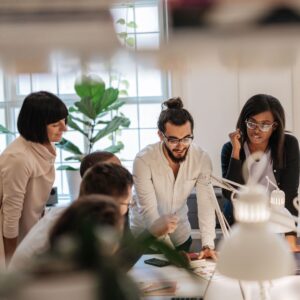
(88, 116)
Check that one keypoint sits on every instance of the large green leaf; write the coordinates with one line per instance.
(89, 86)
(115, 148)
(69, 146)
(110, 96)
(4, 130)
(113, 125)
(116, 105)
(85, 106)
(74, 126)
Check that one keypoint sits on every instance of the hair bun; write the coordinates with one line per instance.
(173, 103)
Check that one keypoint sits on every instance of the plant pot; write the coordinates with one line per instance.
(74, 180)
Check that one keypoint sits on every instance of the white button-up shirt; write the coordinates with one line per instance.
(158, 192)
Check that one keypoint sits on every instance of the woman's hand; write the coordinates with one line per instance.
(236, 144)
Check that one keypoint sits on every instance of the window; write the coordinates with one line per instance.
(143, 89)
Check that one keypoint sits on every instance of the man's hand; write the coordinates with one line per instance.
(164, 225)
(208, 253)
(292, 241)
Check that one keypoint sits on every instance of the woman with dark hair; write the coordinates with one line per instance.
(27, 167)
(261, 127)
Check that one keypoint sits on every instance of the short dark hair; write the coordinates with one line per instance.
(91, 210)
(174, 113)
(107, 179)
(91, 159)
(38, 110)
(261, 103)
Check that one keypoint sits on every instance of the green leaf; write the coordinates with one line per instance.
(89, 86)
(113, 125)
(132, 24)
(123, 35)
(116, 105)
(102, 122)
(115, 148)
(130, 41)
(121, 21)
(75, 157)
(110, 96)
(66, 145)
(85, 106)
(87, 123)
(72, 109)
(74, 126)
(4, 130)
(66, 168)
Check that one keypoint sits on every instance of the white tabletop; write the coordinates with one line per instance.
(220, 287)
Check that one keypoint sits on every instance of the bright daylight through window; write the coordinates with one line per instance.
(143, 88)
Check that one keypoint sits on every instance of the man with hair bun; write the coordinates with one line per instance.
(165, 174)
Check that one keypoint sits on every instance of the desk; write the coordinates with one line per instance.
(220, 288)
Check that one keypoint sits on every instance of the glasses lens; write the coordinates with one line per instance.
(265, 127)
(187, 140)
(251, 125)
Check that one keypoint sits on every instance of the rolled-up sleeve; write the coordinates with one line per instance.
(146, 197)
(15, 176)
(206, 211)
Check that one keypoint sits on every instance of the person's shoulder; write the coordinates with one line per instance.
(197, 152)
(227, 147)
(290, 140)
(149, 152)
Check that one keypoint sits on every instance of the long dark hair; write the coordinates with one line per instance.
(260, 103)
(175, 114)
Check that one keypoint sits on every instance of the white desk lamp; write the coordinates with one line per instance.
(252, 252)
(281, 219)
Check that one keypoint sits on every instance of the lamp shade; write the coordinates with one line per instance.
(253, 252)
(281, 220)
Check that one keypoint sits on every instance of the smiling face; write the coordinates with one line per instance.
(176, 150)
(256, 136)
(56, 130)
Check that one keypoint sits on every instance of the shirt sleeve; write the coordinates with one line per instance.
(206, 211)
(15, 176)
(146, 197)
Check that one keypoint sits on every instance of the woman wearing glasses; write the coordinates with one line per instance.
(261, 127)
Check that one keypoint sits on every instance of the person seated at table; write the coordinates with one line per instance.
(261, 127)
(109, 179)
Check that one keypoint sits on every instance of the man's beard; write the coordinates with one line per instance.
(175, 159)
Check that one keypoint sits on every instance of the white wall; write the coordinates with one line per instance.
(215, 95)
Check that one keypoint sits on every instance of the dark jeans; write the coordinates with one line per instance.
(228, 211)
(185, 246)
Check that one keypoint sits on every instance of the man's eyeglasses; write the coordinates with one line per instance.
(174, 142)
(262, 126)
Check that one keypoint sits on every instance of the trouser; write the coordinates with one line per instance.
(185, 246)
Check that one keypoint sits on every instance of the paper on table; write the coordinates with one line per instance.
(158, 288)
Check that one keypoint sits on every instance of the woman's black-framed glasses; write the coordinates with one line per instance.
(262, 126)
(174, 141)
